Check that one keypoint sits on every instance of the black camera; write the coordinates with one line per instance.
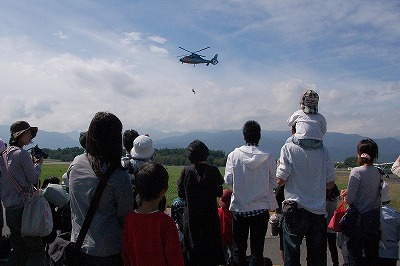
(38, 153)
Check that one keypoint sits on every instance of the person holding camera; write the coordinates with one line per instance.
(17, 164)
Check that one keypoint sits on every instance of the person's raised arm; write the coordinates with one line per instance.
(228, 177)
(32, 170)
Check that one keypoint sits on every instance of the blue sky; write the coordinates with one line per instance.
(62, 61)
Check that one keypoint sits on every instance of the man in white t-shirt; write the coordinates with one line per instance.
(306, 173)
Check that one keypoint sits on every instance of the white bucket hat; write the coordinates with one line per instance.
(142, 147)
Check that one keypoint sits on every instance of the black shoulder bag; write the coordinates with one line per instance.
(64, 252)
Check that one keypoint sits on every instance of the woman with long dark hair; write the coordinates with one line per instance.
(102, 244)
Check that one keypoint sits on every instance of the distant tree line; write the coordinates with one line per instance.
(179, 157)
(348, 162)
(163, 156)
(173, 157)
(64, 155)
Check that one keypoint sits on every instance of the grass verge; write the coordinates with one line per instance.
(58, 169)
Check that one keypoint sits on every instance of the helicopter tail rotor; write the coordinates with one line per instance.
(214, 61)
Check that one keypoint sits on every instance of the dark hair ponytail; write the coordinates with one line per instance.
(367, 151)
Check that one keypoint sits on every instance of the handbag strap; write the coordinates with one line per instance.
(380, 192)
(92, 209)
(341, 205)
(382, 173)
(10, 176)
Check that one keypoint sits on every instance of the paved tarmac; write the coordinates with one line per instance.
(271, 250)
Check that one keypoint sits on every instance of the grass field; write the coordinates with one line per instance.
(58, 169)
(394, 186)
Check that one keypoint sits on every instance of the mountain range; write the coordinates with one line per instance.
(340, 145)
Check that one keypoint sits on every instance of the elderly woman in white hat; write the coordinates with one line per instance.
(18, 164)
(142, 152)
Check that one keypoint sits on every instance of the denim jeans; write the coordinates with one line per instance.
(1, 216)
(26, 250)
(313, 228)
(363, 252)
(241, 225)
(227, 252)
(308, 144)
(387, 262)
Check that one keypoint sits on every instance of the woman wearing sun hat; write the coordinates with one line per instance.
(2, 148)
(25, 250)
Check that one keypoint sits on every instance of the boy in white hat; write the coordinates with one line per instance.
(310, 125)
(390, 219)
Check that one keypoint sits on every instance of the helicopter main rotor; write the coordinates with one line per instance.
(193, 53)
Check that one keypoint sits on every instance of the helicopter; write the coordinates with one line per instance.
(194, 58)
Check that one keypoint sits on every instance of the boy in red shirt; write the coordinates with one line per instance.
(225, 217)
(150, 237)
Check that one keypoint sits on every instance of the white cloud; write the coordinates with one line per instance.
(61, 35)
(158, 50)
(130, 37)
(157, 39)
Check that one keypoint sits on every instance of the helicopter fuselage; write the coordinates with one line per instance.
(197, 59)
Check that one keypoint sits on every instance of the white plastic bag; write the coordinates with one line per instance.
(56, 195)
(274, 221)
(37, 219)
